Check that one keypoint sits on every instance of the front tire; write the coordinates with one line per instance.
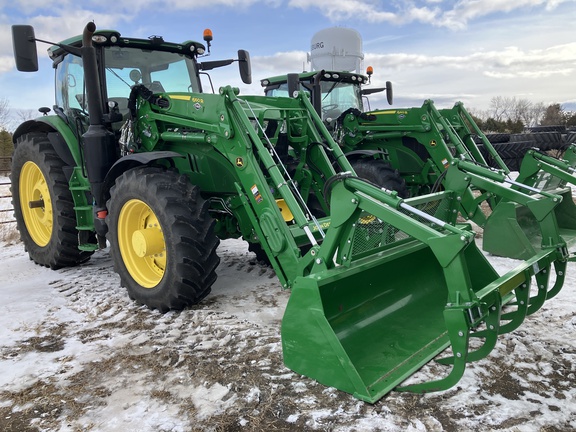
(380, 173)
(162, 239)
(43, 204)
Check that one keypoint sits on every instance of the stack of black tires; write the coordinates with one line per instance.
(552, 140)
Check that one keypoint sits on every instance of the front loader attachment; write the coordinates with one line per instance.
(540, 175)
(513, 229)
(380, 285)
(391, 287)
(365, 330)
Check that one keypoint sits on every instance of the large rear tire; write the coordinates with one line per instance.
(381, 174)
(162, 239)
(43, 204)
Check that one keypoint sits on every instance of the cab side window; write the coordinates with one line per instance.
(70, 90)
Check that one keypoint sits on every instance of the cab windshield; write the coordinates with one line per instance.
(337, 97)
(160, 71)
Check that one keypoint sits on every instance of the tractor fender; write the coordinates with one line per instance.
(58, 132)
(120, 166)
(359, 154)
(132, 161)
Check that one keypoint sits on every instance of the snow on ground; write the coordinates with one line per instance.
(77, 354)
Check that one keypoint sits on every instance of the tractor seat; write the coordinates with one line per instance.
(122, 103)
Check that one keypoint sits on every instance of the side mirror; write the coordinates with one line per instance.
(24, 44)
(388, 88)
(389, 93)
(244, 66)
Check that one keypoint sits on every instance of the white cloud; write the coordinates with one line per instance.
(465, 11)
(6, 63)
(435, 12)
(279, 63)
(477, 76)
(57, 27)
(342, 10)
(454, 15)
(150, 6)
(513, 59)
(530, 74)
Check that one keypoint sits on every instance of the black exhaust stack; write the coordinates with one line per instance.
(100, 149)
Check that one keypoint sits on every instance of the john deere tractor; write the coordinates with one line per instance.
(410, 149)
(135, 154)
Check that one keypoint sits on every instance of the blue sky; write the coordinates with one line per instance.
(448, 51)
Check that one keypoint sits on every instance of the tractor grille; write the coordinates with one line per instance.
(371, 233)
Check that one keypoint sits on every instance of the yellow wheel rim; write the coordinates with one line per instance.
(36, 204)
(141, 243)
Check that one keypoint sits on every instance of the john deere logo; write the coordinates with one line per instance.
(239, 162)
(433, 143)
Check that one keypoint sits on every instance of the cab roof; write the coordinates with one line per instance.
(326, 76)
(114, 38)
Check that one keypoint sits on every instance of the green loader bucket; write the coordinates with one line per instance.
(513, 231)
(366, 329)
(392, 286)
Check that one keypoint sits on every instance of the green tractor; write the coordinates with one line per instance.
(409, 150)
(136, 155)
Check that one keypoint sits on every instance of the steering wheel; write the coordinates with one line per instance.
(329, 107)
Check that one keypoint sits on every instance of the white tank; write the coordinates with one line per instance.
(337, 49)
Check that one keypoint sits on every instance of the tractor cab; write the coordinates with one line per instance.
(332, 93)
(124, 63)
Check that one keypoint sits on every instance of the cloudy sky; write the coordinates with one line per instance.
(448, 51)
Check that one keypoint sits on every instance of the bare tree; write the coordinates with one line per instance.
(498, 108)
(4, 113)
(516, 110)
(23, 115)
(479, 114)
(527, 112)
(536, 113)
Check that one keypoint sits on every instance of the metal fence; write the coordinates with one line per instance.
(5, 162)
(6, 209)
